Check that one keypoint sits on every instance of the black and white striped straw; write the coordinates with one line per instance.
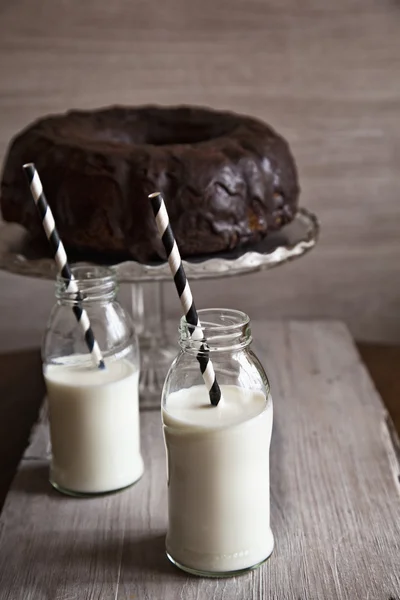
(61, 260)
(185, 295)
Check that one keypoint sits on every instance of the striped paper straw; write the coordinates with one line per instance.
(60, 258)
(185, 295)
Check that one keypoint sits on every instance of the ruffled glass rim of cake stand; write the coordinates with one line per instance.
(290, 242)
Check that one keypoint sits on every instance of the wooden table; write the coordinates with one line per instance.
(334, 494)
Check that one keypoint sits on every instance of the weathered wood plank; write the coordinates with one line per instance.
(334, 486)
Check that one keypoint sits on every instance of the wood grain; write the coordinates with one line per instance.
(325, 74)
(334, 485)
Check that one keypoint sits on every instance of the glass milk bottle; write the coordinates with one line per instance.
(93, 413)
(218, 457)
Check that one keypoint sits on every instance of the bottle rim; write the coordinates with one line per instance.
(222, 328)
(94, 283)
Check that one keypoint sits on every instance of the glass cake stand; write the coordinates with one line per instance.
(17, 255)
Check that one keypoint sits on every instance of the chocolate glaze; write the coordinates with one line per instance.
(227, 179)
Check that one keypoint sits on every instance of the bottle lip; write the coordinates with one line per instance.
(94, 274)
(227, 319)
(94, 282)
(223, 328)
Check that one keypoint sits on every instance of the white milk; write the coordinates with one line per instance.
(94, 426)
(218, 478)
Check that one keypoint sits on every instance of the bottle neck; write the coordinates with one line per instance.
(91, 284)
(225, 330)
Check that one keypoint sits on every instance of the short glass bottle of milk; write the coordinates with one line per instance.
(93, 413)
(218, 457)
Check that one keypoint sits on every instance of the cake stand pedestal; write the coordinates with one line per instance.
(157, 349)
(146, 284)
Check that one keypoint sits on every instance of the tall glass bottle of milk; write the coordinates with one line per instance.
(93, 413)
(218, 457)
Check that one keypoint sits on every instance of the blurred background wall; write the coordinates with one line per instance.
(324, 74)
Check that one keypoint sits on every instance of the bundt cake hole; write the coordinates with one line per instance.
(154, 132)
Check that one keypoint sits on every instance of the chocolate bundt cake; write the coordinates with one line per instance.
(227, 179)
